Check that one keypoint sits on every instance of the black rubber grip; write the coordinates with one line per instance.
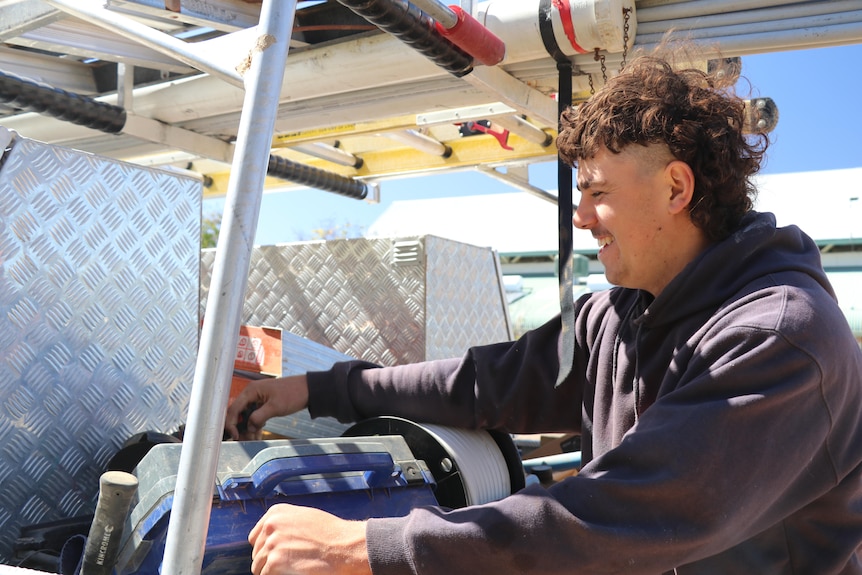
(314, 178)
(36, 97)
(415, 28)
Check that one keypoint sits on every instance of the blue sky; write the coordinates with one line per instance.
(820, 125)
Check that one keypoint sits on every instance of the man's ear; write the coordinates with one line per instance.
(681, 180)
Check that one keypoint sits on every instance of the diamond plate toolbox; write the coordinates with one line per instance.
(388, 301)
(99, 315)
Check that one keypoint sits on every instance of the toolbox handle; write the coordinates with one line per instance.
(322, 472)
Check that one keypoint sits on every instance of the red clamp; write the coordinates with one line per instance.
(502, 137)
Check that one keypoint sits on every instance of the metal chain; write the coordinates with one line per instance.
(599, 57)
(626, 13)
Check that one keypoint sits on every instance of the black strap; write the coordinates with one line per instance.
(565, 211)
(546, 30)
(564, 196)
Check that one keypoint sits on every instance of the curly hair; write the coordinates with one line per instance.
(688, 110)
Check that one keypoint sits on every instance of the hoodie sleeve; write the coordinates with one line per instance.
(506, 386)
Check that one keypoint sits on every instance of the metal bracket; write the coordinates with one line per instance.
(199, 55)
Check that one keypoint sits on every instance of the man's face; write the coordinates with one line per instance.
(624, 203)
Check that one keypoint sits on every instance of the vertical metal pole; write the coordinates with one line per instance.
(189, 520)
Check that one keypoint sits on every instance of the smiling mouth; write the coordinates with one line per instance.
(605, 241)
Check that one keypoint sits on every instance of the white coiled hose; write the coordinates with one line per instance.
(483, 469)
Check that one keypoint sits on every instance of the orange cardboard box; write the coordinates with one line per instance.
(258, 355)
(259, 350)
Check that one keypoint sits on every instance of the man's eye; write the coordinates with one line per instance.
(596, 194)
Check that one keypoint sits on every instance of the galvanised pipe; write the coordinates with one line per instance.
(443, 14)
(706, 7)
(748, 17)
(190, 513)
(794, 39)
(760, 27)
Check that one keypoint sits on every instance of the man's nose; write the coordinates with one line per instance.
(583, 216)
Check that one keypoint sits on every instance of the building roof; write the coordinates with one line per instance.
(825, 204)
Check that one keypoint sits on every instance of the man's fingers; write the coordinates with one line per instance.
(254, 536)
(262, 400)
(257, 538)
(258, 562)
(258, 418)
(236, 412)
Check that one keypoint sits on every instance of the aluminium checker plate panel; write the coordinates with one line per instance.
(99, 300)
(385, 300)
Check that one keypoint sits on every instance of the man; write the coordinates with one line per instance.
(718, 390)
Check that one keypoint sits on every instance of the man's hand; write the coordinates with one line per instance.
(274, 397)
(295, 540)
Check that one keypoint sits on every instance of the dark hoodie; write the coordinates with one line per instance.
(720, 428)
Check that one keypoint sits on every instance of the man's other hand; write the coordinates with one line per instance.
(296, 540)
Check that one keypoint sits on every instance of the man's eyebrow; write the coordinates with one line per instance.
(582, 185)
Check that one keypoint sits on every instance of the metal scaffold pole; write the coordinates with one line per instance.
(187, 529)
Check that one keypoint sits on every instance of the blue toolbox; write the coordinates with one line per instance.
(352, 477)
(381, 467)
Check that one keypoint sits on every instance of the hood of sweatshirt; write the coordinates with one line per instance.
(756, 250)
